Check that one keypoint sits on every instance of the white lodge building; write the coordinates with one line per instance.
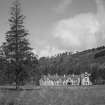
(55, 80)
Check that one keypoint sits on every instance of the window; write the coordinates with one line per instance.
(86, 79)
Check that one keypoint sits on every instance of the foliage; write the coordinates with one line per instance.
(19, 56)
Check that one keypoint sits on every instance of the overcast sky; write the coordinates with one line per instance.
(59, 25)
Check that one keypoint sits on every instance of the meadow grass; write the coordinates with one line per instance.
(75, 95)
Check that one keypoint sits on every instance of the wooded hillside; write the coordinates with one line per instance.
(91, 60)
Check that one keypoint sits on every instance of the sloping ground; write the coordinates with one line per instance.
(73, 63)
(92, 95)
(82, 60)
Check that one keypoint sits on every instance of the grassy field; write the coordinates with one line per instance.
(91, 95)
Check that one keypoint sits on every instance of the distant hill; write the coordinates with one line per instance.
(68, 63)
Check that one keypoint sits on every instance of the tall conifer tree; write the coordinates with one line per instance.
(17, 45)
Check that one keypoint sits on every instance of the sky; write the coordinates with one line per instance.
(56, 26)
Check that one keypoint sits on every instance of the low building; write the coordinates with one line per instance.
(66, 80)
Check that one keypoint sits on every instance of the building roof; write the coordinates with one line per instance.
(64, 77)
